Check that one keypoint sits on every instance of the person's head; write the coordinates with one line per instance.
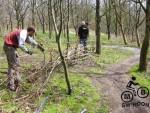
(133, 78)
(30, 31)
(83, 23)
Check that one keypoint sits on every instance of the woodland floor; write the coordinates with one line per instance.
(113, 82)
(97, 82)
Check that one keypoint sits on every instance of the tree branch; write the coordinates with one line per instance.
(141, 4)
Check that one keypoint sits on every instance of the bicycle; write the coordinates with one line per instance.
(128, 96)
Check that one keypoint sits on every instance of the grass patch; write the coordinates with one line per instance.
(84, 95)
(142, 78)
(103, 109)
(111, 56)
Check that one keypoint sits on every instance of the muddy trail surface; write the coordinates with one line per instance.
(114, 82)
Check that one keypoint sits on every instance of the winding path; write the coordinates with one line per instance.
(114, 83)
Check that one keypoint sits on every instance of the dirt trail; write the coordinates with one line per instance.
(114, 83)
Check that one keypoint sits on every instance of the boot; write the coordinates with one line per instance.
(11, 84)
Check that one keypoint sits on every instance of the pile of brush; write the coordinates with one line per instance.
(43, 72)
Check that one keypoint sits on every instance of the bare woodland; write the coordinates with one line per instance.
(126, 19)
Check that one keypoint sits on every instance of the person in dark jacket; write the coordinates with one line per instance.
(83, 33)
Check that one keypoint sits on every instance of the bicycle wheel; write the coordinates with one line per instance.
(127, 96)
(143, 92)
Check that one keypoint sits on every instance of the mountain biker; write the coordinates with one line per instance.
(13, 40)
(131, 83)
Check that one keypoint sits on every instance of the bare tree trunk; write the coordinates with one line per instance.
(145, 45)
(11, 23)
(119, 20)
(129, 22)
(87, 14)
(138, 12)
(116, 26)
(123, 33)
(43, 24)
(137, 36)
(68, 20)
(75, 18)
(132, 35)
(49, 20)
(108, 17)
(18, 21)
(22, 23)
(58, 35)
(98, 20)
(33, 12)
(42, 19)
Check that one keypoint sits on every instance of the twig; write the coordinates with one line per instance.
(24, 97)
(38, 110)
(50, 73)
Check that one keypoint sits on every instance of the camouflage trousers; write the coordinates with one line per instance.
(13, 64)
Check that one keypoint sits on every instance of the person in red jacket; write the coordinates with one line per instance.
(14, 40)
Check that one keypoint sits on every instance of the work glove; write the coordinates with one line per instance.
(29, 52)
(41, 48)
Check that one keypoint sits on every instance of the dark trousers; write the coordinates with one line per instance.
(83, 41)
(13, 63)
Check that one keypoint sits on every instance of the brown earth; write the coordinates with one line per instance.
(113, 82)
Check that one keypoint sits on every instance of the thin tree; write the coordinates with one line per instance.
(108, 17)
(33, 3)
(58, 35)
(138, 12)
(41, 15)
(98, 20)
(20, 8)
(49, 19)
(68, 21)
(145, 45)
(119, 19)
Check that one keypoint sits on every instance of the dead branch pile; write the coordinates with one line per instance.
(39, 75)
(43, 72)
